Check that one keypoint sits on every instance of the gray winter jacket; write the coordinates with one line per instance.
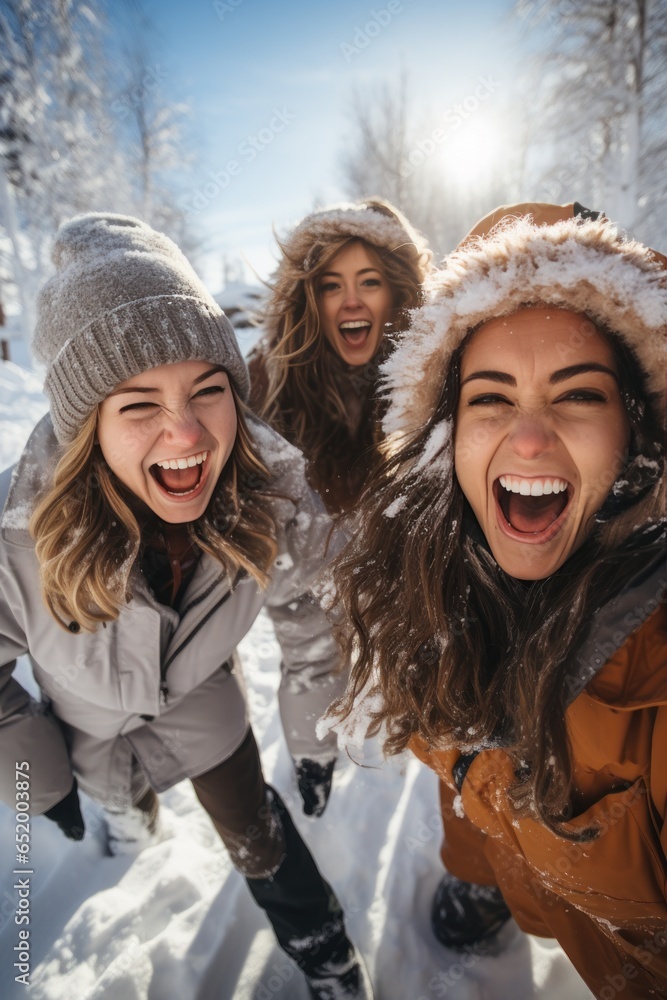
(101, 700)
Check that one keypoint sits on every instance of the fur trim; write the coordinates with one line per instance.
(343, 220)
(582, 265)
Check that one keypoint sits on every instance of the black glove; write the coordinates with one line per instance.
(314, 784)
(67, 814)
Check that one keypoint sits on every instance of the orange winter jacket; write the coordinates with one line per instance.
(605, 901)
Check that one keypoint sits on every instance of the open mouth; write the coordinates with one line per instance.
(181, 477)
(355, 332)
(532, 510)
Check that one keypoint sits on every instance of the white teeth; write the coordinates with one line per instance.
(354, 324)
(183, 463)
(532, 487)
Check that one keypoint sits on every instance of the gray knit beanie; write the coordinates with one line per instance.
(124, 299)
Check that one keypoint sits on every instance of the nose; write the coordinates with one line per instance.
(531, 437)
(351, 297)
(181, 427)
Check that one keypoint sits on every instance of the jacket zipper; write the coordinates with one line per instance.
(164, 688)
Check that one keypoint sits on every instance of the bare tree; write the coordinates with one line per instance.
(153, 132)
(417, 160)
(599, 82)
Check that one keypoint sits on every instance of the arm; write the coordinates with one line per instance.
(311, 674)
(27, 732)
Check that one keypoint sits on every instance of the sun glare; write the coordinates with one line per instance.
(473, 150)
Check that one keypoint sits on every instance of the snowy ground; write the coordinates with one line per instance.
(177, 923)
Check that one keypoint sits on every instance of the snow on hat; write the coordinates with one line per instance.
(124, 299)
(375, 221)
(508, 261)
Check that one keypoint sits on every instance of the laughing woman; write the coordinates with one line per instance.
(149, 519)
(347, 277)
(508, 589)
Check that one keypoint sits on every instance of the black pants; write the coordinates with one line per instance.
(234, 795)
(266, 847)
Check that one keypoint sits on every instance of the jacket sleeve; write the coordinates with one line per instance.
(311, 670)
(28, 733)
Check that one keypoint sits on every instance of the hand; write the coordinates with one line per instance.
(314, 780)
(67, 814)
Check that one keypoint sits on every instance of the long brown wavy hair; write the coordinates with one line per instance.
(308, 386)
(88, 534)
(461, 654)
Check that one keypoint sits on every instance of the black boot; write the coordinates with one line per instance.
(465, 914)
(308, 920)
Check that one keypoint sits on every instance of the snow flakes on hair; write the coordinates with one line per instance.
(582, 265)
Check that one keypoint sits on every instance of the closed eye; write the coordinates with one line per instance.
(488, 399)
(138, 406)
(211, 390)
(582, 396)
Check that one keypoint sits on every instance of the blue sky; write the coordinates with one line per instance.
(268, 84)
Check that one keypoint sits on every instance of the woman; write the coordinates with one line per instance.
(149, 519)
(347, 277)
(507, 589)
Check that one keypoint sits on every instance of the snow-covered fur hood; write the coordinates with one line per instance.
(339, 221)
(585, 265)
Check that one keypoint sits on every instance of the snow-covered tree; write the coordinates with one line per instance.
(57, 154)
(599, 85)
(152, 130)
(79, 131)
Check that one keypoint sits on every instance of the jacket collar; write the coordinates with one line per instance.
(616, 622)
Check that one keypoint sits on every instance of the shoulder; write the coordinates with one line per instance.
(285, 462)
(297, 507)
(5, 483)
(623, 660)
(20, 485)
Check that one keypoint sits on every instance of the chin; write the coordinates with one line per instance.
(525, 567)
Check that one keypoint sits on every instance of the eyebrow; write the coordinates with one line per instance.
(559, 376)
(200, 378)
(337, 274)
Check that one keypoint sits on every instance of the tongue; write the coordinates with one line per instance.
(534, 513)
(178, 480)
(357, 336)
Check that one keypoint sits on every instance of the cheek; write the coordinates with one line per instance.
(469, 463)
(231, 426)
(602, 454)
(325, 313)
(122, 447)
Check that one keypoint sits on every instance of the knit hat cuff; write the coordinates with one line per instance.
(124, 342)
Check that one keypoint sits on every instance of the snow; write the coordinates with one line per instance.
(22, 404)
(176, 922)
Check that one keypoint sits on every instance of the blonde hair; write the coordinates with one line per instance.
(87, 537)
